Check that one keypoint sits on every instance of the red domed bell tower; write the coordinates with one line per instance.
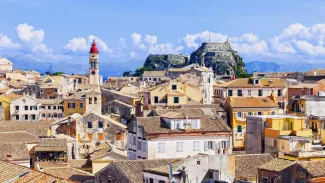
(93, 65)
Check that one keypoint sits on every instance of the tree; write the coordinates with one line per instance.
(141, 70)
(57, 73)
(127, 74)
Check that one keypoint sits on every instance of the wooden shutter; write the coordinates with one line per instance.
(100, 136)
(214, 145)
(205, 145)
(90, 136)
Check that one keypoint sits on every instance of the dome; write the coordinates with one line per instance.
(94, 48)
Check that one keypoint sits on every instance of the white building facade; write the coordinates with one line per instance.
(25, 108)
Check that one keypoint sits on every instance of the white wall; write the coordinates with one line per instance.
(188, 150)
(22, 102)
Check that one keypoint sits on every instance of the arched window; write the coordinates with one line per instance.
(90, 100)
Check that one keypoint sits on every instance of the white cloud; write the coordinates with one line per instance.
(100, 43)
(136, 38)
(33, 38)
(194, 40)
(6, 42)
(80, 44)
(77, 44)
(151, 39)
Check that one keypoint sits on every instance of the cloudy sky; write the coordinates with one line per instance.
(60, 30)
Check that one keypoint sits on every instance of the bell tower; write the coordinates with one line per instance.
(93, 65)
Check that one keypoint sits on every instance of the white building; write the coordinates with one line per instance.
(178, 134)
(5, 65)
(207, 83)
(25, 108)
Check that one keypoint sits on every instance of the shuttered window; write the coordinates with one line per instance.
(209, 145)
(179, 146)
(100, 136)
(196, 146)
(161, 147)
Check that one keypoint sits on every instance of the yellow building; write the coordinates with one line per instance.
(175, 93)
(5, 105)
(74, 104)
(238, 108)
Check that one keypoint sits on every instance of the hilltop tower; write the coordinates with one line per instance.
(207, 82)
(94, 65)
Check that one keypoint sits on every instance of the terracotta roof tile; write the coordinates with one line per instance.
(276, 165)
(247, 165)
(252, 102)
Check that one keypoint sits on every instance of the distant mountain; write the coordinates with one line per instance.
(260, 66)
(113, 68)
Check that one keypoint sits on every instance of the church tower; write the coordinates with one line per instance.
(93, 65)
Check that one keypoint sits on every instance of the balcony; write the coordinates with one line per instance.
(275, 133)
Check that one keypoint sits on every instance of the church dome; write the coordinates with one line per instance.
(94, 48)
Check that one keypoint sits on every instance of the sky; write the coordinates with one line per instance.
(60, 30)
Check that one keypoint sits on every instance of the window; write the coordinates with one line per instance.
(81, 105)
(33, 116)
(17, 108)
(43, 115)
(26, 117)
(240, 93)
(43, 107)
(260, 113)
(272, 112)
(161, 147)
(256, 81)
(90, 124)
(52, 97)
(139, 145)
(174, 87)
(249, 113)
(179, 146)
(100, 136)
(176, 100)
(239, 114)
(55, 115)
(239, 129)
(17, 117)
(26, 108)
(90, 136)
(154, 79)
(229, 93)
(265, 180)
(156, 99)
(35, 108)
(210, 175)
(144, 146)
(54, 107)
(225, 144)
(260, 93)
(100, 124)
(151, 180)
(41, 91)
(209, 145)
(90, 100)
(71, 105)
(134, 140)
(196, 146)
(49, 107)
(266, 125)
(279, 92)
(49, 115)
(95, 100)
(194, 124)
(30, 107)
(249, 92)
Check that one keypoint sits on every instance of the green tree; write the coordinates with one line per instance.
(127, 74)
(57, 73)
(141, 70)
